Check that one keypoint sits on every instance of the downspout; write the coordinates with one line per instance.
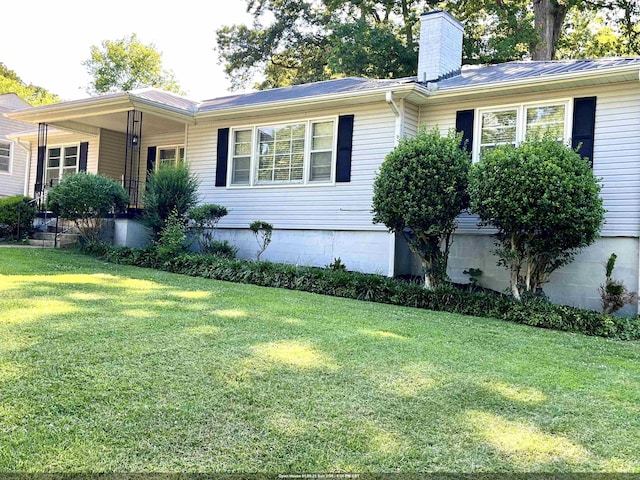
(398, 112)
(27, 168)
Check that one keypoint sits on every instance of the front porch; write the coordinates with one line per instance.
(121, 136)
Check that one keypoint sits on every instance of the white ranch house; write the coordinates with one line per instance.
(304, 158)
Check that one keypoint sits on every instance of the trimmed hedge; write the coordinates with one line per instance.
(339, 283)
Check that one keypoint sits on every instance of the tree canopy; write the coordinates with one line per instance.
(293, 42)
(10, 82)
(126, 64)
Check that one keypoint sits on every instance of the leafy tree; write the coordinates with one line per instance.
(171, 187)
(10, 82)
(309, 40)
(543, 199)
(126, 64)
(420, 190)
(86, 199)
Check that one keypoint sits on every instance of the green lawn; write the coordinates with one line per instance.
(112, 368)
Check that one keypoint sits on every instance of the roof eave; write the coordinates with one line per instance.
(538, 81)
(305, 101)
(99, 105)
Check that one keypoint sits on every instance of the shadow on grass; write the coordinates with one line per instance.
(106, 372)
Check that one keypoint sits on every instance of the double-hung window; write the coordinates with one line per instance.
(61, 160)
(170, 155)
(510, 125)
(5, 157)
(297, 153)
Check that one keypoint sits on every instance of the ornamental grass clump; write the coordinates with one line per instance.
(544, 200)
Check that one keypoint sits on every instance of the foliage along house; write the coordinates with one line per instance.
(304, 157)
(13, 155)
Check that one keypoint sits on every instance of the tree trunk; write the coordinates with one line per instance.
(408, 30)
(549, 16)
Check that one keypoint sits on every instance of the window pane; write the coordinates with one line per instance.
(5, 149)
(322, 136)
(240, 171)
(242, 143)
(181, 154)
(320, 167)
(498, 127)
(281, 157)
(5, 156)
(547, 118)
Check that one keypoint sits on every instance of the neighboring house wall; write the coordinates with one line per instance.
(12, 175)
(314, 224)
(616, 161)
(12, 181)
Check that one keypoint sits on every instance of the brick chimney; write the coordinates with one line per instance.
(440, 50)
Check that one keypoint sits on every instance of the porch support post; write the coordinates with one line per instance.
(39, 189)
(132, 157)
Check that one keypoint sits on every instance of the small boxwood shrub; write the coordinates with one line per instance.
(531, 310)
(16, 217)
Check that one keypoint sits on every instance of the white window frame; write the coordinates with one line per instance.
(521, 120)
(60, 167)
(306, 171)
(175, 147)
(10, 164)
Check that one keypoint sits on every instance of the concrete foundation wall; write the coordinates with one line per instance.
(574, 284)
(131, 233)
(363, 251)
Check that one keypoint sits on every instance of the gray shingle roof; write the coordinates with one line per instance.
(296, 92)
(482, 74)
(471, 75)
(166, 98)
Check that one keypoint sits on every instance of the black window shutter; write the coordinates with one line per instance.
(82, 159)
(151, 159)
(42, 153)
(222, 154)
(464, 124)
(584, 123)
(345, 145)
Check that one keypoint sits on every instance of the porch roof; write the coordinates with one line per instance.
(162, 112)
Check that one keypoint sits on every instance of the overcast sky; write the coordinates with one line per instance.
(45, 41)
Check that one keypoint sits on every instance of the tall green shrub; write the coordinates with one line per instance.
(16, 216)
(86, 199)
(544, 200)
(420, 190)
(171, 187)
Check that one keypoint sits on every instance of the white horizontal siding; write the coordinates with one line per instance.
(343, 206)
(411, 119)
(12, 182)
(616, 149)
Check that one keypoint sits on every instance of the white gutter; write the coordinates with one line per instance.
(27, 168)
(303, 102)
(398, 113)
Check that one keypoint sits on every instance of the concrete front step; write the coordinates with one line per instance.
(48, 240)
